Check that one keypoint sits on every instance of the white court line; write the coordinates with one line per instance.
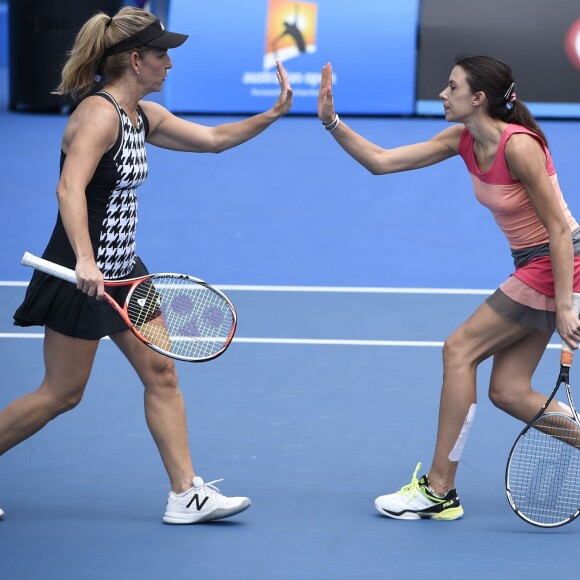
(340, 289)
(316, 341)
(305, 341)
(356, 289)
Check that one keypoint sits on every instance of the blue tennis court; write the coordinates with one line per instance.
(346, 286)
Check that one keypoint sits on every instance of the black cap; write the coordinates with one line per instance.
(153, 35)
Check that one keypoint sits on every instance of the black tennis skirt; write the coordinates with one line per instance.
(58, 305)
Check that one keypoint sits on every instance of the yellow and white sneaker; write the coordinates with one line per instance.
(417, 501)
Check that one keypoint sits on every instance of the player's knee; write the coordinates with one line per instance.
(70, 402)
(163, 375)
(62, 400)
(503, 397)
(454, 353)
(459, 353)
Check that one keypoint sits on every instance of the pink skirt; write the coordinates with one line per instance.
(527, 296)
(517, 302)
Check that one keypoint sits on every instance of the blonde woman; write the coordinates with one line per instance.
(103, 162)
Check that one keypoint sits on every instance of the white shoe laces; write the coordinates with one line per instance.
(414, 485)
(211, 487)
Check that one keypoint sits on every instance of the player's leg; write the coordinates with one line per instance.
(483, 335)
(166, 419)
(68, 362)
(164, 407)
(434, 496)
(510, 387)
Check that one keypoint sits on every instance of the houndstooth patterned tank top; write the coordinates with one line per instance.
(116, 245)
(111, 201)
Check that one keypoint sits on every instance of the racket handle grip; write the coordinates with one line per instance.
(567, 354)
(49, 267)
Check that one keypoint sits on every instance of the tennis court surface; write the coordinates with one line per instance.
(326, 399)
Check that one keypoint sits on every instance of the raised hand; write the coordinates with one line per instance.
(326, 111)
(284, 102)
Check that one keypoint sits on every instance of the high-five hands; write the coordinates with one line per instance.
(326, 111)
(284, 102)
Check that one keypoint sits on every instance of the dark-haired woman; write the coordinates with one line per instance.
(507, 157)
(103, 162)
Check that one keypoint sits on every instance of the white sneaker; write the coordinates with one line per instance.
(1, 514)
(416, 501)
(202, 503)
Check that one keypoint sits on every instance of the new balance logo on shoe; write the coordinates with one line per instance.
(198, 505)
(190, 508)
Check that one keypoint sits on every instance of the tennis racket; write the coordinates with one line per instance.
(177, 315)
(543, 469)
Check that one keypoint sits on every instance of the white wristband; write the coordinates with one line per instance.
(333, 124)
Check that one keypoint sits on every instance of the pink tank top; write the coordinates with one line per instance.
(506, 197)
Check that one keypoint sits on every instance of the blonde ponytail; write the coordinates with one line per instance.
(81, 71)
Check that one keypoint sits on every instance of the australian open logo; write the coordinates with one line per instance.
(290, 30)
(290, 33)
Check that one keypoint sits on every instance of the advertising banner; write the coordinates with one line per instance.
(228, 63)
(540, 40)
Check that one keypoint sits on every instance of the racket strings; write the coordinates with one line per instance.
(544, 471)
(181, 317)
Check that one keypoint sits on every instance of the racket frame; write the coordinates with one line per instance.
(69, 275)
(566, 359)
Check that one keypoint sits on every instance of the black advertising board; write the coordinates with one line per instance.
(540, 39)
